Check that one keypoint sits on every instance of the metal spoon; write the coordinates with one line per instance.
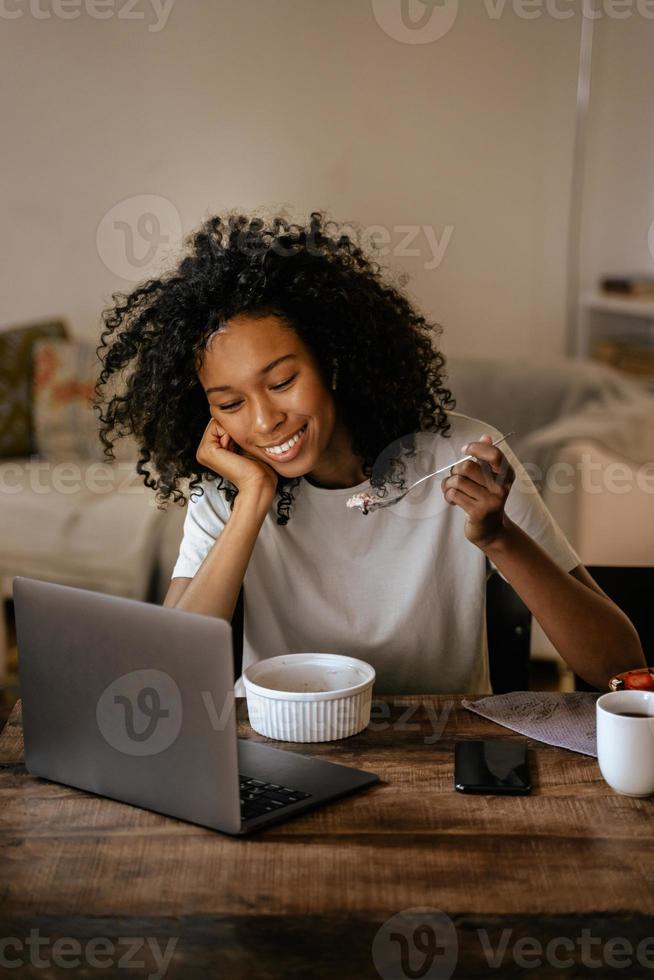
(369, 503)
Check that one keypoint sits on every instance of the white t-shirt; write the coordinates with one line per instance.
(401, 588)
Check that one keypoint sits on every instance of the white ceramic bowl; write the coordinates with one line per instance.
(309, 697)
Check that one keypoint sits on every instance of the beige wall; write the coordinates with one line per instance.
(618, 205)
(305, 104)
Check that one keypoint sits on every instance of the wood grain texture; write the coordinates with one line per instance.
(571, 853)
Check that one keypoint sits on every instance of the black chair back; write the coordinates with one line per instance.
(632, 589)
(508, 628)
(237, 635)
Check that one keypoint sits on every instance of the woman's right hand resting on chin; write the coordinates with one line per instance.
(219, 452)
(214, 589)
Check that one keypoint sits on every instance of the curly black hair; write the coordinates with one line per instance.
(390, 376)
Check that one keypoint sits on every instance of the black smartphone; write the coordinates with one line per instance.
(495, 765)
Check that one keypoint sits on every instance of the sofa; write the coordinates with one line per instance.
(68, 515)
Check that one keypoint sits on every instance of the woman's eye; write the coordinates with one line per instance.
(282, 384)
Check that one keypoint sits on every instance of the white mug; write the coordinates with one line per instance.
(625, 746)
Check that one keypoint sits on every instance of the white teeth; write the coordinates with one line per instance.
(285, 446)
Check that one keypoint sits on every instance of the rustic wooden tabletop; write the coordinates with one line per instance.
(406, 879)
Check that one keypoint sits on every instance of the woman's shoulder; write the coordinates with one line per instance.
(463, 429)
(209, 499)
(471, 428)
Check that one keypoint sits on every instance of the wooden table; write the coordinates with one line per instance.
(312, 897)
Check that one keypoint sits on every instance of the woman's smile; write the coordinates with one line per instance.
(288, 449)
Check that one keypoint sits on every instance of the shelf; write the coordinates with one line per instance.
(633, 362)
(625, 322)
(637, 306)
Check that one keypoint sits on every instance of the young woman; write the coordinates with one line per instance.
(274, 374)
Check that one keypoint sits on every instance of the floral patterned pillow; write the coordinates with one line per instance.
(16, 352)
(63, 382)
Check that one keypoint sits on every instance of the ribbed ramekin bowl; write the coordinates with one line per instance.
(309, 697)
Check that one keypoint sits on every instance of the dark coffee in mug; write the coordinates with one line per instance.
(625, 745)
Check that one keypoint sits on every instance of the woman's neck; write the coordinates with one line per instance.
(331, 478)
(339, 467)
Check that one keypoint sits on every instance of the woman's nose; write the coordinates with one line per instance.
(266, 417)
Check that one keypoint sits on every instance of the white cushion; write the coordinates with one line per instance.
(78, 523)
(603, 504)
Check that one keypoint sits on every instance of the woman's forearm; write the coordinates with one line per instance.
(214, 589)
(588, 630)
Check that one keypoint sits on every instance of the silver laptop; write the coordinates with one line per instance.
(136, 702)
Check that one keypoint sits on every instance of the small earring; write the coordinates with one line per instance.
(335, 374)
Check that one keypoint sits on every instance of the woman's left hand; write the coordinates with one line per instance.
(480, 487)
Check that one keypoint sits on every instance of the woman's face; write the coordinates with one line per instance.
(271, 391)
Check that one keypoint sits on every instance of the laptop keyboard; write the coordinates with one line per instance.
(259, 797)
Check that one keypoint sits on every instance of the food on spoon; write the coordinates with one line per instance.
(362, 501)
